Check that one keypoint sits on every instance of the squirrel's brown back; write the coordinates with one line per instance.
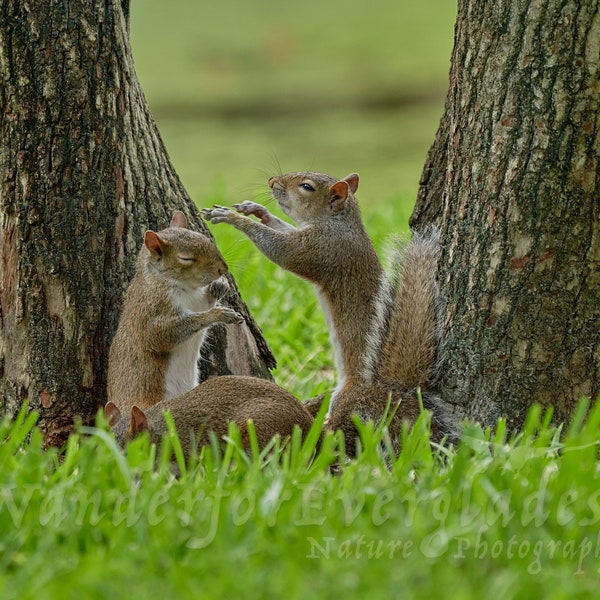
(211, 406)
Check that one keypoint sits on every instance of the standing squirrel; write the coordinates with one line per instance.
(168, 306)
(385, 336)
(331, 249)
(211, 406)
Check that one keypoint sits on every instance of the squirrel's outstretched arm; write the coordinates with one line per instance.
(260, 212)
(276, 244)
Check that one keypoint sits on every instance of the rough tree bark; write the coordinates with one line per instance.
(83, 172)
(513, 180)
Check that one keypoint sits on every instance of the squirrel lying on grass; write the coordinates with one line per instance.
(210, 407)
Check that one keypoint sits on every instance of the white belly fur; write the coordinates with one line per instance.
(182, 370)
(337, 350)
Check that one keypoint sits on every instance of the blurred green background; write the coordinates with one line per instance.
(242, 90)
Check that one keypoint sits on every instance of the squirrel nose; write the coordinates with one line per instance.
(272, 181)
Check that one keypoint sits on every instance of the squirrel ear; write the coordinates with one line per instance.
(339, 193)
(111, 413)
(139, 421)
(179, 220)
(155, 243)
(352, 181)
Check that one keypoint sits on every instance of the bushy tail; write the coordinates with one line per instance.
(409, 352)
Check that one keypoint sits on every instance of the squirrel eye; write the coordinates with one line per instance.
(186, 259)
(307, 187)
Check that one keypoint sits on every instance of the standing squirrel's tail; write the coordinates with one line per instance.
(409, 352)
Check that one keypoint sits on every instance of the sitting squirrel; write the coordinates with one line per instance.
(168, 306)
(211, 406)
(153, 357)
(385, 337)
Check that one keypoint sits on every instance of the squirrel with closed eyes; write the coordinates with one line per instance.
(169, 304)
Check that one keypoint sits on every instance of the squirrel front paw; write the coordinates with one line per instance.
(220, 214)
(223, 314)
(247, 207)
(218, 288)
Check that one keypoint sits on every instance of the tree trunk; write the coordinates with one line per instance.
(513, 181)
(83, 174)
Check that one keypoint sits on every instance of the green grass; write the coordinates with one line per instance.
(240, 55)
(235, 88)
(513, 518)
